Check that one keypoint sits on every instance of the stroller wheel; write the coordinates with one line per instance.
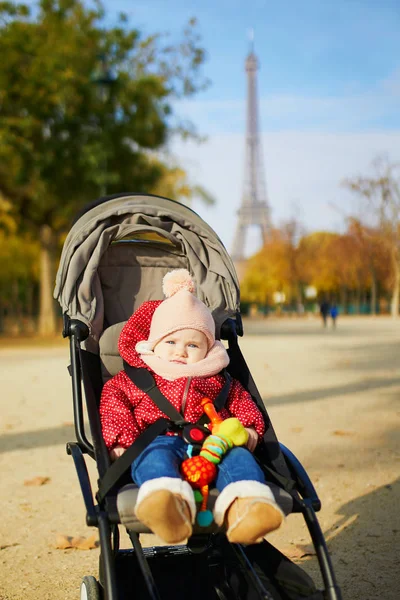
(90, 589)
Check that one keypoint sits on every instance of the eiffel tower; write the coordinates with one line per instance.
(254, 209)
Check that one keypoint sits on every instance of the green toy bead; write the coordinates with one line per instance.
(198, 497)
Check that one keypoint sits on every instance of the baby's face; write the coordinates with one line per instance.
(185, 347)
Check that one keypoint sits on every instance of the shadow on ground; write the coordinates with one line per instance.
(36, 439)
(366, 543)
(377, 383)
(381, 357)
(304, 328)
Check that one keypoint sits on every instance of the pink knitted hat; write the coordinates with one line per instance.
(180, 310)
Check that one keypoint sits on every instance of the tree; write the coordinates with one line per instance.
(18, 272)
(318, 263)
(61, 142)
(275, 268)
(259, 282)
(374, 255)
(381, 193)
(292, 231)
(337, 265)
(333, 264)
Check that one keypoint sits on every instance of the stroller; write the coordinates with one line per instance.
(114, 259)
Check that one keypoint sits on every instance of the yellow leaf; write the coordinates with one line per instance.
(63, 542)
(38, 480)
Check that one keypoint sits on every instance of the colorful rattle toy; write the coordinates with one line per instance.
(201, 470)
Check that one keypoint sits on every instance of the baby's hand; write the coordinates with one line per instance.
(116, 452)
(253, 439)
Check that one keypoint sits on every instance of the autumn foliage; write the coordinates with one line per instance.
(87, 107)
(347, 267)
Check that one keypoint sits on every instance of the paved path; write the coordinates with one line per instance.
(333, 397)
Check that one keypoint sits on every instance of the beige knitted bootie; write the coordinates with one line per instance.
(167, 515)
(249, 519)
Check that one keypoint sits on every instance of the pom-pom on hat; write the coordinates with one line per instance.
(176, 281)
(180, 310)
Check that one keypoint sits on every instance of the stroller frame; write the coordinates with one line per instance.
(97, 516)
(226, 571)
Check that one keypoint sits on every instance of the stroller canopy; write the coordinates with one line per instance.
(79, 288)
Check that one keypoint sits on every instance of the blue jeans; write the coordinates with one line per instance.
(164, 455)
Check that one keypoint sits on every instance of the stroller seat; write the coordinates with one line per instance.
(114, 259)
(122, 506)
(111, 361)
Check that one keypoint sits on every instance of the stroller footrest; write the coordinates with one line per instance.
(121, 509)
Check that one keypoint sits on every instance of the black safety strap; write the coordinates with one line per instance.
(123, 462)
(144, 380)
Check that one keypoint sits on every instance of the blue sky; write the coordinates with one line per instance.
(329, 95)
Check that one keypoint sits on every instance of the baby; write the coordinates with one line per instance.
(175, 340)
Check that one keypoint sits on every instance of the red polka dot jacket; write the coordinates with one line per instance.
(126, 411)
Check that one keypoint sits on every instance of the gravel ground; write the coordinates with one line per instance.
(333, 396)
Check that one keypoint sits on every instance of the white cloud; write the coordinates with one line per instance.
(305, 168)
(356, 110)
(283, 111)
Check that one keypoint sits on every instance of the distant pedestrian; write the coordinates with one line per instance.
(324, 309)
(334, 313)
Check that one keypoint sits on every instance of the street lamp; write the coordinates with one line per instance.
(104, 78)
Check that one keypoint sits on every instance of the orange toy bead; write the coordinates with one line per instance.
(198, 471)
(211, 413)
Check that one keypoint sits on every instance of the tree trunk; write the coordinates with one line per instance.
(16, 302)
(16, 320)
(29, 299)
(299, 298)
(373, 294)
(394, 303)
(343, 299)
(29, 304)
(357, 300)
(47, 320)
(363, 297)
(2, 315)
